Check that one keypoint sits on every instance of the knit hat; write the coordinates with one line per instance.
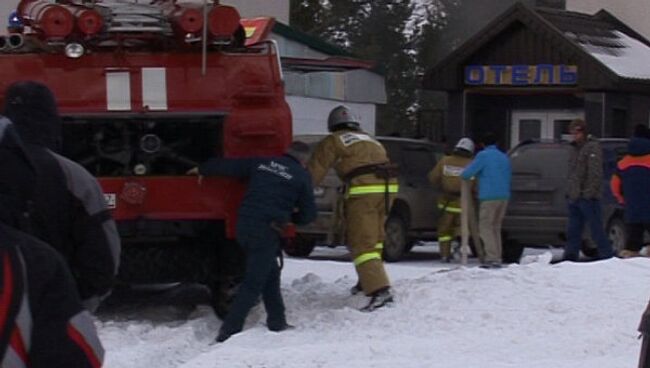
(578, 125)
(299, 150)
(32, 108)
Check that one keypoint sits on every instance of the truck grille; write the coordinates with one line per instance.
(142, 145)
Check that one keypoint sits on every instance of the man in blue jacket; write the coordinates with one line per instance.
(492, 168)
(279, 192)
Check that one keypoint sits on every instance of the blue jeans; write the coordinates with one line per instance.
(262, 278)
(583, 211)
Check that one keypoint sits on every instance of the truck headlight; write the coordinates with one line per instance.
(74, 50)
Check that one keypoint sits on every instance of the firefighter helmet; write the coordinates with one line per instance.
(465, 144)
(341, 117)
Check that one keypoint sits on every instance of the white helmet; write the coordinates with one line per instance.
(465, 144)
(341, 116)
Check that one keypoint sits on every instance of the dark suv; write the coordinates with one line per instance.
(537, 211)
(413, 215)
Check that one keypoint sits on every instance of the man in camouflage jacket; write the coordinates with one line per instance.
(584, 193)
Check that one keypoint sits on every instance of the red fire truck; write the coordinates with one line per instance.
(146, 90)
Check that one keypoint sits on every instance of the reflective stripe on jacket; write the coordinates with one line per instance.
(372, 189)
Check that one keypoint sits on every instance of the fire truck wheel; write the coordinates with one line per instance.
(222, 294)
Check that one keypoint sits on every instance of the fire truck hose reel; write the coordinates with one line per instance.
(89, 21)
(188, 20)
(55, 21)
(223, 21)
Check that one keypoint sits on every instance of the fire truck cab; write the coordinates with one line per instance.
(146, 92)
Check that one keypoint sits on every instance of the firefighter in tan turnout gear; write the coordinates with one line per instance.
(446, 176)
(362, 164)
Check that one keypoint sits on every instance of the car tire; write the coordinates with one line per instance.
(302, 246)
(395, 241)
(617, 234)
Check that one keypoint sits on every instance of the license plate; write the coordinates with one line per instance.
(111, 201)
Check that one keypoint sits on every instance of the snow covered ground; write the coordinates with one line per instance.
(533, 315)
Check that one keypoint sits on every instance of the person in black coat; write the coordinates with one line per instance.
(44, 323)
(279, 192)
(70, 211)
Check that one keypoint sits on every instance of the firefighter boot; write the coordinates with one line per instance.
(356, 289)
(379, 298)
(281, 327)
(445, 251)
(224, 334)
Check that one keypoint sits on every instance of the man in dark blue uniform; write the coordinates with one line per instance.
(279, 192)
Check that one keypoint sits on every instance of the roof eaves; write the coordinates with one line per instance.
(519, 12)
(574, 46)
(474, 42)
(606, 16)
(333, 63)
(311, 41)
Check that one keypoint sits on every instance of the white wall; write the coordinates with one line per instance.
(279, 9)
(310, 114)
(634, 13)
(6, 7)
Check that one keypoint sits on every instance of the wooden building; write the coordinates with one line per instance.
(531, 71)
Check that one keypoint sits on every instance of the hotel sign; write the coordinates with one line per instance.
(521, 75)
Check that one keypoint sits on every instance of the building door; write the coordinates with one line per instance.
(543, 124)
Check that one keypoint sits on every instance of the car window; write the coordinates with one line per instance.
(418, 160)
(393, 151)
(542, 159)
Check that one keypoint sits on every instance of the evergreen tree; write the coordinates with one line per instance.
(394, 33)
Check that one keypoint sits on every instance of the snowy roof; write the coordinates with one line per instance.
(607, 39)
(629, 58)
(609, 54)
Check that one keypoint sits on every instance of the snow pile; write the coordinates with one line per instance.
(532, 315)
